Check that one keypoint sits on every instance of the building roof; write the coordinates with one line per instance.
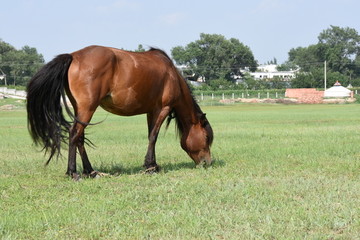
(337, 91)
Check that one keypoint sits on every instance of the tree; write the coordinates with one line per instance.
(5, 47)
(140, 48)
(307, 58)
(308, 79)
(215, 57)
(273, 61)
(339, 47)
(19, 65)
(287, 66)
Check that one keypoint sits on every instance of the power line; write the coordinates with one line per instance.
(8, 63)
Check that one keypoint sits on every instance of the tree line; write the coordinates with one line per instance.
(219, 62)
(18, 66)
(337, 48)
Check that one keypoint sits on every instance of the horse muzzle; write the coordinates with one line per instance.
(204, 160)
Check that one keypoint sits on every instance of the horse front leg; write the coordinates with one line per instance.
(155, 120)
(150, 159)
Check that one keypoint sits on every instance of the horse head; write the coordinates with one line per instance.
(197, 141)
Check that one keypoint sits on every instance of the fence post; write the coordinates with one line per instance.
(223, 96)
(267, 95)
(258, 95)
(202, 97)
(276, 95)
(242, 95)
(233, 96)
(212, 96)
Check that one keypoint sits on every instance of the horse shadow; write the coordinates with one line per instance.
(118, 169)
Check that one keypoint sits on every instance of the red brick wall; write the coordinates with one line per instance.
(305, 95)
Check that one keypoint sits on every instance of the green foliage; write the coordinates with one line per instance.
(339, 47)
(140, 48)
(281, 171)
(272, 61)
(19, 65)
(313, 79)
(287, 66)
(215, 57)
(247, 83)
(219, 84)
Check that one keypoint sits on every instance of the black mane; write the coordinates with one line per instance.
(198, 111)
(162, 52)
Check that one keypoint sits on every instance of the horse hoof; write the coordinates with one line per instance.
(152, 170)
(76, 177)
(96, 174)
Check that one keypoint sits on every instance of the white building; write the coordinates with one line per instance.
(270, 72)
(263, 72)
(338, 91)
(267, 68)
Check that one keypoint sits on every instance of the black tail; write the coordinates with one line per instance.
(46, 122)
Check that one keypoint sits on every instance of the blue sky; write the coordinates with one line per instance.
(269, 27)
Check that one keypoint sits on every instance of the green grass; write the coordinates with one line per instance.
(281, 172)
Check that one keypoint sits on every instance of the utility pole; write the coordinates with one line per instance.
(325, 75)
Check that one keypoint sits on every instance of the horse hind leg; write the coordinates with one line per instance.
(87, 168)
(73, 139)
(76, 140)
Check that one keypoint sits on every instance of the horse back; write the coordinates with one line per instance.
(122, 82)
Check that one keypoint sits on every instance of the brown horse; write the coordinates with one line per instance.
(123, 83)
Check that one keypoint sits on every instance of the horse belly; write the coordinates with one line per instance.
(124, 104)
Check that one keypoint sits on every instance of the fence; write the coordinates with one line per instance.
(228, 97)
(217, 96)
(13, 93)
(204, 97)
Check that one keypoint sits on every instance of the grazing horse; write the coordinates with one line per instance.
(123, 83)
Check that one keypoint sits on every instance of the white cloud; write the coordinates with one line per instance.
(172, 18)
(118, 5)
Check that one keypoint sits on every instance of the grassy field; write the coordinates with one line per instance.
(281, 172)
